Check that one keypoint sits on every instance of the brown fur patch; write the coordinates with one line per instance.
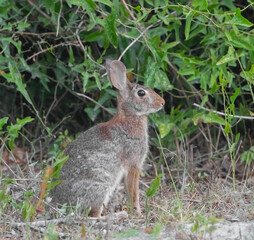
(132, 185)
(104, 131)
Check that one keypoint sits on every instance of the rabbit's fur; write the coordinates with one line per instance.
(104, 154)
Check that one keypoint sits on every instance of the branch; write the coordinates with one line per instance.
(92, 100)
(129, 11)
(83, 48)
(223, 114)
(132, 43)
(28, 33)
(53, 47)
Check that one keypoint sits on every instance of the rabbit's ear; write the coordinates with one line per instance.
(117, 74)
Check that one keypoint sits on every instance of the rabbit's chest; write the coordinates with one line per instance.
(133, 150)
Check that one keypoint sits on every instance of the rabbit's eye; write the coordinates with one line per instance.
(141, 93)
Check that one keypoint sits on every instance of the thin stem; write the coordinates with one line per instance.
(132, 43)
(59, 17)
(223, 114)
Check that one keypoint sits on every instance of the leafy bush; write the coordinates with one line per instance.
(198, 52)
(199, 55)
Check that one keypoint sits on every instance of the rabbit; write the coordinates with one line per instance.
(104, 154)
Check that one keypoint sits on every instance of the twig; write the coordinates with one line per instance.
(194, 138)
(129, 11)
(4, 145)
(223, 114)
(59, 17)
(191, 162)
(92, 100)
(132, 43)
(29, 33)
(202, 130)
(132, 16)
(83, 48)
(53, 103)
(41, 12)
(177, 147)
(218, 139)
(249, 136)
(53, 47)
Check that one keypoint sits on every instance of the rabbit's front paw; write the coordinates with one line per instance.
(137, 211)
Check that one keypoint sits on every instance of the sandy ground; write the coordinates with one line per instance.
(223, 231)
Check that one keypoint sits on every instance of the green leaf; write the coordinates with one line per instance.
(71, 56)
(106, 2)
(89, 5)
(248, 75)
(5, 5)
(187, 71)
(28, 211)
(58, 164)
(211, 117)
(237, 137)
(238, 19)
(150, 2)
(166, 46)
(111, 29)
(235, 95)
(230, 56)
(97, 79)
(13, 129)
(7, 27)
(200, 4)
(49, 5)
(92, 114)
(205, 99)
(200, 30)
(15, 77)
(188, 24)
(3, 121)
(155, 185)
(22, 122)
(240, 40)
(165, 128)
(138, 8)
(248, 156)
(85, 78)
(150, 73)
(158, 31)
(51, 185)
(161, 81)
(22, 26)
(94, 36)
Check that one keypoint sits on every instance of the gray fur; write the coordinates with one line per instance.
(105, 153)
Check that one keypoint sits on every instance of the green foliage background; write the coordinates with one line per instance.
(190, 51)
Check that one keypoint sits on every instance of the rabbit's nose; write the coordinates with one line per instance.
(162, 102)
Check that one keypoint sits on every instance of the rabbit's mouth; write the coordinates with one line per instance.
(157, 106)
(151, 110)
(154, 110)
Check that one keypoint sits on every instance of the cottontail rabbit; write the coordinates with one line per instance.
(104, 154)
